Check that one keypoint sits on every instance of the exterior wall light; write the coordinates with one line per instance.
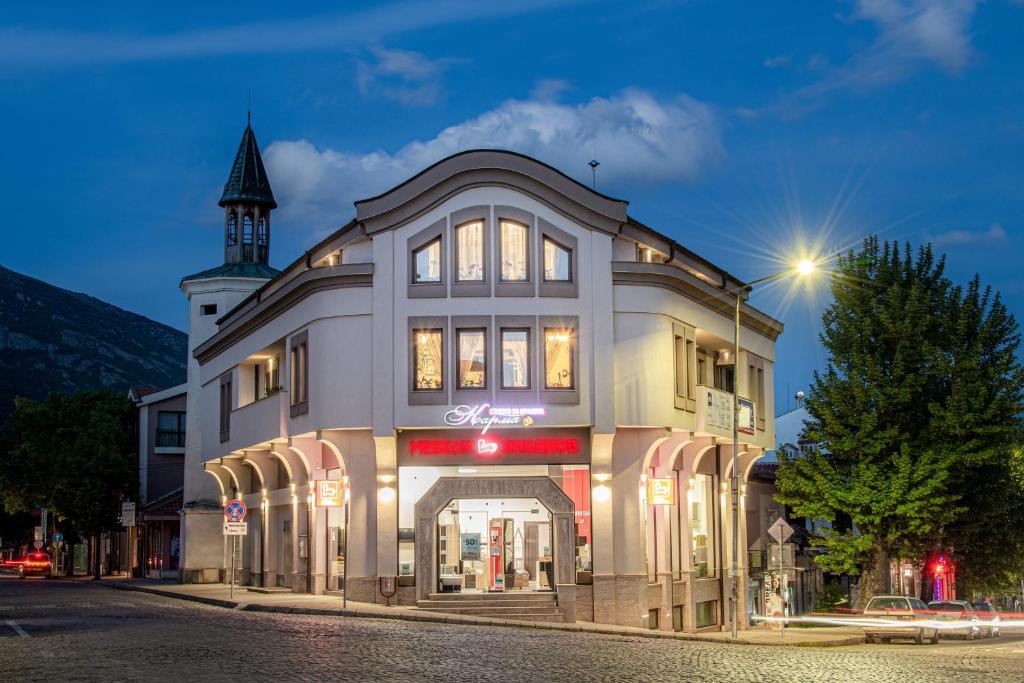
(386, 494)
(602, 476)
(602, 494)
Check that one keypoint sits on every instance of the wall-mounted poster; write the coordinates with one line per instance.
(745, 416)
(470, 547)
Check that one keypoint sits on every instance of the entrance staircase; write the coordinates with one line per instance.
(521, 605)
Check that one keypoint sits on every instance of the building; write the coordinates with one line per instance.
(511, 383)
(160, 416)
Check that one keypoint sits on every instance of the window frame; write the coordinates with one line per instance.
(226, 398)
(427, 396)
(518, 288)
(298, 373)
(457, 219)
(178, 431)
(557, 288)
(416, 333)
(415, 258)
(684, 358)
(427, 290)
(529, 358)
(570, 396)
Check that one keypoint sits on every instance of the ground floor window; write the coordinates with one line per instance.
(701, 495)
(707, 613)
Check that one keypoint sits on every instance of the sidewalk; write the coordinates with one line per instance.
(295, 603)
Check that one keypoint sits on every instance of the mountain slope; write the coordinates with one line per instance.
(55, 340)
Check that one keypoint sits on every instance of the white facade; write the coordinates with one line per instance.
(346, 364)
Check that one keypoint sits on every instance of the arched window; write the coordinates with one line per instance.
(232, 227)
(261, 231)
(247, 229)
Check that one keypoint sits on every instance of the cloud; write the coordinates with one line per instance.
(409, 78)
(637, 137)
(911, 34)
(776, 61)
(995, 233)
(23, 47)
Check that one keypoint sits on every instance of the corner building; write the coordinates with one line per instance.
(500, 367)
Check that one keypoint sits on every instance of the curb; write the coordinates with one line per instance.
(595, 629)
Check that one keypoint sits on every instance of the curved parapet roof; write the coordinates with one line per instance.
(478, 167)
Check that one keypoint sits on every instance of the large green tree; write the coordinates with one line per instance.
(921, 396)
(72, 454)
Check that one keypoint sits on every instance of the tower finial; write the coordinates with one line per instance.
(248, 112)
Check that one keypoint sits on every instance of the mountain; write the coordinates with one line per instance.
(55, 340)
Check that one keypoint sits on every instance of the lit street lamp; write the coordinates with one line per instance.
(804, 267)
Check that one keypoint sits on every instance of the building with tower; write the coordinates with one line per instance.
(492, 385)
(247, 201)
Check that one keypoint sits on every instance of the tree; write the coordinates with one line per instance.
(921, 394)
(73, 455)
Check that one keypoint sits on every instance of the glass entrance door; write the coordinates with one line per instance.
(495, 545)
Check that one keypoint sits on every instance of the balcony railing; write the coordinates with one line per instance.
(170, 439)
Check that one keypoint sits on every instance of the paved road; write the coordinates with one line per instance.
(56, 630)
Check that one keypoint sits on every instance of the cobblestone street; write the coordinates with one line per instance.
(56, 630)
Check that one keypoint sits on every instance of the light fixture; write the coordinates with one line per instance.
(386, 494)
(467, 470)
(602, 493)
(602, 476)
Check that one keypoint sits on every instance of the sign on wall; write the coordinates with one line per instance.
(329, 493)
(485, 415)
(236, 528)
(661, 491)
(746, 416)
(470, 545)
(512, 447)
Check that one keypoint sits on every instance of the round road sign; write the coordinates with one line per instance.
(58, 537)
(37, 544)
(235, 510)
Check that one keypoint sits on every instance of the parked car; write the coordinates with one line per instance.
(34, 564)
(899, 616)
(960, 612)
(988, 618)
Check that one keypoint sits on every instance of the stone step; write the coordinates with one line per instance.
(552, 616)
(269, 589)
(458, 604)
(492, 611)
(495, 597)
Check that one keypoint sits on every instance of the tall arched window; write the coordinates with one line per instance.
(232, 227)
(261, 231)
(247, 229)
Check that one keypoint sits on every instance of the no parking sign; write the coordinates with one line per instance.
(235, 510)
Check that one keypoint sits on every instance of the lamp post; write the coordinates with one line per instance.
(805, 267)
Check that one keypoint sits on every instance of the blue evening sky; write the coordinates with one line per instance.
(741, 129)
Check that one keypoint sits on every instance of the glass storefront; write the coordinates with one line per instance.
(521, 554)
(701, 497)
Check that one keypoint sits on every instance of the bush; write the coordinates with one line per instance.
(828, 596)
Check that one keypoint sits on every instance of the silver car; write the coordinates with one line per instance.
(899, 616)
(964, 621)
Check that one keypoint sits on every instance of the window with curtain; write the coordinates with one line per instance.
(472, 359)
(558, 370)
(557, 266)
(515, 359)
(427, 262)
(701, 497)
(469, 252)
(514, 250)
(428, 366)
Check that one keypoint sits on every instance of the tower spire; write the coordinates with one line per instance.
(247, 201)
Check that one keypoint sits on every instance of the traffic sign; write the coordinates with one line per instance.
(236, 528)
(235, 510)
(780, 531)
(58, 537)
(128, 513)
(37, 544)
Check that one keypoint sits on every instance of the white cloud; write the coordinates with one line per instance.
(776, 61)
(995, 233)
(911, 34)
(637, 137)
(407, 77)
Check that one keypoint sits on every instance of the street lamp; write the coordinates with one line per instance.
(804, 267)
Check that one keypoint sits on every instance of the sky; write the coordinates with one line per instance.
(750, 132)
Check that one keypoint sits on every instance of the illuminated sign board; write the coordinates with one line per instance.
(746, 416)
(484, 415)
(329, 493)
(433, 447)
(661, 491)
(493, 446)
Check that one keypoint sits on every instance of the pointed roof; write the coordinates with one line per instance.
(248, 181)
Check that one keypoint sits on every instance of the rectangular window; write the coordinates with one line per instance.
(427, 260)
(557, 262)
(724, 376)
(225, 408)
(682, 384)
(707, 613)
(299, 374)
(515, 358)
(428, 369)
(515, 249)
(701, 499)
(472, 359)
(558, 369)
(469, 252)
(702, 367)
(272, 376)
(170, 429)
(208, 309)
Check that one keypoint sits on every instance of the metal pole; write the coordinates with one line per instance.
(735, 463)
(309, 546)
(232, 589)
(344, 564)
(782, 591)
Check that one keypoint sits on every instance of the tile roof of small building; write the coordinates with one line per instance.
(248, 180)
(244, 270)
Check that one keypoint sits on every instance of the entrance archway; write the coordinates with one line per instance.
(447, 489)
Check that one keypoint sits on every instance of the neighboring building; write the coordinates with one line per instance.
(161, 432)
(490, 354)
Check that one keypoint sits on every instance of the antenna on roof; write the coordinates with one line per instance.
(594, 163)
(248, 112)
